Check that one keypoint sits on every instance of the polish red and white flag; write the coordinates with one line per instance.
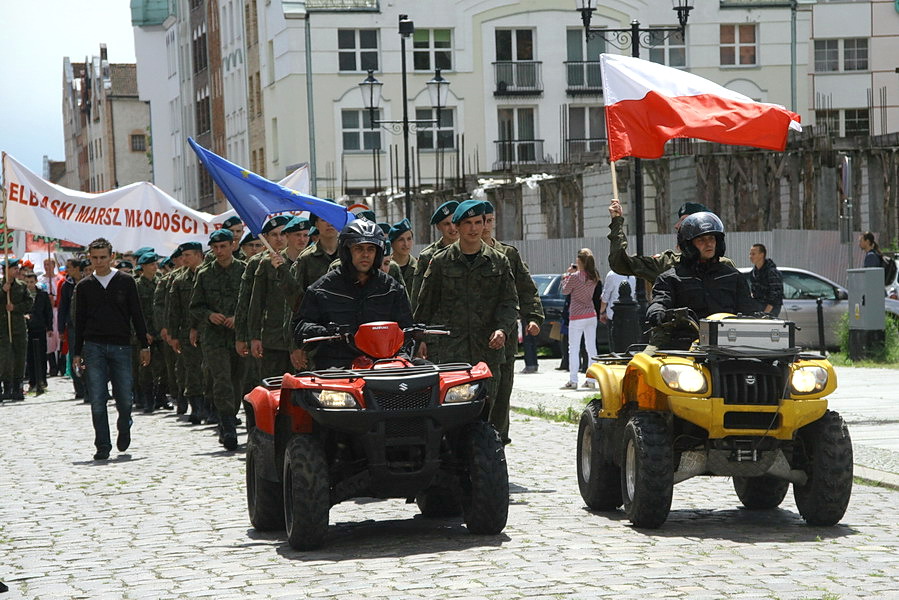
(648, 104)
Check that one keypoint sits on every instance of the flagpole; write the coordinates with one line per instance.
(614, 181)
(6, 249)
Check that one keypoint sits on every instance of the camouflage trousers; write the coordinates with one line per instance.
(227, 384)
(190, 366)
(12, 354)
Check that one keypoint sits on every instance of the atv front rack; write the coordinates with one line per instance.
(275, 382)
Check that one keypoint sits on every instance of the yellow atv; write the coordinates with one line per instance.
(742, 402)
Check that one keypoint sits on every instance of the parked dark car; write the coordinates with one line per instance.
(549, 287)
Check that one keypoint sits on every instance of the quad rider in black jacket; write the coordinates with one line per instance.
(356, 292)
(700, 283)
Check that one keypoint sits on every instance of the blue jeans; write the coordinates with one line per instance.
(104, 363)
(530, 350)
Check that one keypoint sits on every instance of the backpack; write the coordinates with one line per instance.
(889, 269)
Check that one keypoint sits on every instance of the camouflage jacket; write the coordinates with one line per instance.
(179, 320)
(472, 299)
(241, 333)
(421, 267)
(408, 273)
(529, 306)
(146, 293)
(271, 307)
(309, 267)
(644, 267)
(21, 302)
(216, 291)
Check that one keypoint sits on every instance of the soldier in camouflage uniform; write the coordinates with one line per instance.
(173, 378)
(469, 288)
(250, 246)
(13, 331)
(645, 267)
(442, 219)
(150, 376)
(212, 307)
(530, 310)
(271, 307)
(235, 226)
(272, 232)
(399, 237)
(314, 261)
(183, 333)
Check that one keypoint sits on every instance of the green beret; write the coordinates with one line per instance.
(13, 262)
(275, 222)
(249, 237)
(443, 211)
(488, 207)
(143, 250)
(231, 222)
(81, 264)
(182, 248)
(313, 231)
(176, 253)
(297, 224)
(147, 257)
(221, 235)
(124, 264)
(469, 208)
(167, 262)
(399, 229)
(368, 215)
(689, 208)
(385, 227)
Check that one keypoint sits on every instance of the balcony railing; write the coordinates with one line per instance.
(583, 77)
(518, 78)
(578, 149)
(517, 152)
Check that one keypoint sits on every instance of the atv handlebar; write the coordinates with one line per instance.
(342, 332)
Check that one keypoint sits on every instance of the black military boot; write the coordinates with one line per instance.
(181, 403)
(16, 393)
(212, 415)
(147, 398)
(229, 431)
(195, 416)
(160, 398)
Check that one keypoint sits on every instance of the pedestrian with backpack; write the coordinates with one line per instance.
(874, 257)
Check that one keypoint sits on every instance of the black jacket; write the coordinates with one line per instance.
(106, 315)
(64, 314)
(706, 288)
(337, 298)
(41, 316)
(767, 286)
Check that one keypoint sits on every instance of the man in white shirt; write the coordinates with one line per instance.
(610, 291)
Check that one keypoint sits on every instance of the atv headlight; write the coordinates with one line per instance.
(684, 378)
(333, 399)
(462, 393)
(807, 380)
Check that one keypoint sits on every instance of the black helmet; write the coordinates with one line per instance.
(360, 231)
(698, 224)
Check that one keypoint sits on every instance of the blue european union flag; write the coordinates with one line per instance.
(255, 198)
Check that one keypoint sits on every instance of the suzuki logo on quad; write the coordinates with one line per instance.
(403, 387)
(750, 380)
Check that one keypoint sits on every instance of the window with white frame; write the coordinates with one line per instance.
(828, 122)
(357, 49)
(358, 134)
(738, 45)
(445, 134)
(856, 122)
(583, 59)
(432, 49)
(668, 48)
(855, 54)
(586, 129)
(827, 55)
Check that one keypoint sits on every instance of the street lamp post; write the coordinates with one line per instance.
(635, 37)
(438, 90)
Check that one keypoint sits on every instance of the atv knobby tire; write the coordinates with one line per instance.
(647, 469)
(265, 499)
(598, 477)
(306, 496)
(761, 493)
(485, 483)
(439, 502)
(825, 454)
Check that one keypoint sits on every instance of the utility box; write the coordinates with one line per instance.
(867, 315)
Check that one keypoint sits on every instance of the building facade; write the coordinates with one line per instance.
(105, 125)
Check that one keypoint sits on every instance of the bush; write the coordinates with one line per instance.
(891, 339)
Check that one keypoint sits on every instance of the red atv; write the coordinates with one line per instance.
(387, 427)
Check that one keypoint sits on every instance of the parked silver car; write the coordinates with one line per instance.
(801, 291)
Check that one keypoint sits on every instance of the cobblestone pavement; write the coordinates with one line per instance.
(168, 519)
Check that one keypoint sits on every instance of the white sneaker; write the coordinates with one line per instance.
(589, 384)
(569, 386)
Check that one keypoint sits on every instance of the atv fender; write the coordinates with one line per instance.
(608, 378)
(261, 406)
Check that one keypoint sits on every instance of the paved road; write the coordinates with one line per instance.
(167, 519)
